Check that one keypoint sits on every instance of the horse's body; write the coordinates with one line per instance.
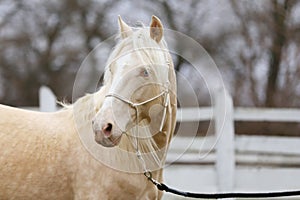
(42, 156)
(35, 148)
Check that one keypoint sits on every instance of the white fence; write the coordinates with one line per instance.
(224, 161)
(227, 162)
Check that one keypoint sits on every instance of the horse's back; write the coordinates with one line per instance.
(33, 154)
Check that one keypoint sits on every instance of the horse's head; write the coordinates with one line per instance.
(137, 85)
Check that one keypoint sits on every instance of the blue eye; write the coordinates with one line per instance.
(145, 73)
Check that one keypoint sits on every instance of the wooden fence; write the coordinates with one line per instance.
(224, 161)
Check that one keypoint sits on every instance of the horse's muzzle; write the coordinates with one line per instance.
(106, 141)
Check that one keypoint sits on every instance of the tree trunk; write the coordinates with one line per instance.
(279, 40)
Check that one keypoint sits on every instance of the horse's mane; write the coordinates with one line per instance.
(85, 108)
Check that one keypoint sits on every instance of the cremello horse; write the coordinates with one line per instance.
(48, 155)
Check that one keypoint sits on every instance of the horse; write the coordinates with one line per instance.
(100, 146)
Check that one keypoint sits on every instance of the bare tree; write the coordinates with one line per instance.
(43, 43)
(267, 32)
(254, 43)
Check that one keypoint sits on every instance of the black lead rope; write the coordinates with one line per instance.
(163, 187)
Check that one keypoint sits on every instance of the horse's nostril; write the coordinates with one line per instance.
(107, 129)
(109, 126)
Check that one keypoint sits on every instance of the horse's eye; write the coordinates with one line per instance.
(145, 73)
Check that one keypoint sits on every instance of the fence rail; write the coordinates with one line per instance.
(192, 114)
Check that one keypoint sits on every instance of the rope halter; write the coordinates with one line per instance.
(166, 102)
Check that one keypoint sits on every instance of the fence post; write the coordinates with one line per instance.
(225, 150)
(47, 100)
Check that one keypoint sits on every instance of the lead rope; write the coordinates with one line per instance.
(163, 187)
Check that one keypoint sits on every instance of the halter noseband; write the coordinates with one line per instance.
(165, 93)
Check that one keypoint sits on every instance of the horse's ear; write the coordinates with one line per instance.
(156, 29)
(125, 30)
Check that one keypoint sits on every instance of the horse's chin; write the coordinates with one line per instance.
(108, 142)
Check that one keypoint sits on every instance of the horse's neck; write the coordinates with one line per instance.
(90, 104)
(84, 109)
